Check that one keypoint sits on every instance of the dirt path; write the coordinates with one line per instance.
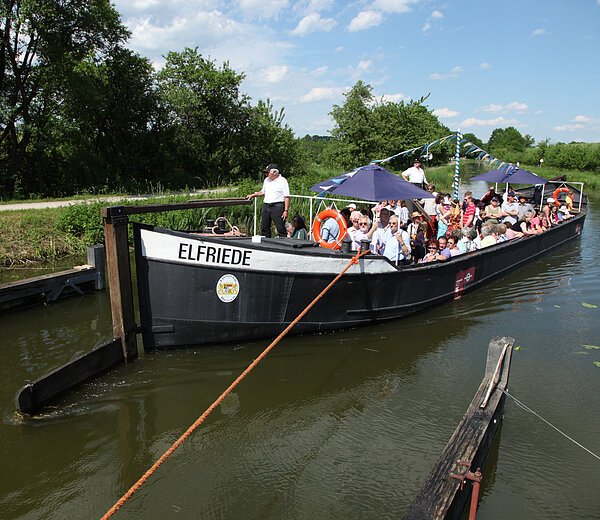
(116, 198)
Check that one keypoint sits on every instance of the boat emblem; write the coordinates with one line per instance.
(463, 279)
(228, 288)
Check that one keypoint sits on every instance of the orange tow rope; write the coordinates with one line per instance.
(201, 419)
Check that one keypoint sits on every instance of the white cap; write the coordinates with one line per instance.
(550, 200)
(352, 206)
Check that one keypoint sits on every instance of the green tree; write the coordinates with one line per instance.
(354, 131)
(366, 129)
(506, 139)
(209, 131)
(40, 44)
(474, 139)
(202, 114)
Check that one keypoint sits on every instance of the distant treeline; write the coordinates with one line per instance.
(79, 112)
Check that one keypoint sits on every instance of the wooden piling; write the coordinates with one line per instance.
(444, 496)
(119, 278)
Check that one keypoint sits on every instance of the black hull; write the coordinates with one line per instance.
(179, 305)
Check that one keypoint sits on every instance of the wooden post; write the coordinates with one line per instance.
(119, 278)
(95, 257)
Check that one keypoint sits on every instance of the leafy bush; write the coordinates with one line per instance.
(82, 221)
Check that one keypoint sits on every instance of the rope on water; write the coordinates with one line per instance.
(216, 403)
(527, 409)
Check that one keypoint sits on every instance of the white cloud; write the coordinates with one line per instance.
(583, 119)
(322, 93)
(319, 71)
(312, 6)
(426, 27)
(364, 65)
(515, 106)
(365, 20)
(145, 4)
(262, 9)
(275, 73)
(538, 32)
(147, 36)
(569, 128)
(445, 113)
(436, 15)
(393, 98)
(312, 23)
(454, 73)
(394, 6)
(496, 122)
(340, 48)
(485, 65)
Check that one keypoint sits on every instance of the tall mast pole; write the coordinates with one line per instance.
(457, 163)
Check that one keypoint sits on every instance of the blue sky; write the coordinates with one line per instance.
(531, 64)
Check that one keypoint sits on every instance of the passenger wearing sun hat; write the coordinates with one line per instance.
(565, 212)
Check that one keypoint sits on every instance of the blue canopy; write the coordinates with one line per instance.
(510, 175)
(371, 182)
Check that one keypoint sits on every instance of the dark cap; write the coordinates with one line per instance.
(417, 160)
(511, 193)
(271, 167)
(521, 196)
(495, 199)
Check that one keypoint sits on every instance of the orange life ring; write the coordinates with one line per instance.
(556, 192)
(316, 228)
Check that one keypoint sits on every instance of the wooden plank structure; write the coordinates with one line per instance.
(33, 396)
(51, 287)
(448, 487)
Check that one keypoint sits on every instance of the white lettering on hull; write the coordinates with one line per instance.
(162, 246)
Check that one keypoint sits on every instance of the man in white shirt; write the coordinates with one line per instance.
(415, 174)
(397, 243)
(379, 231)
(510, 209)
(276, 203)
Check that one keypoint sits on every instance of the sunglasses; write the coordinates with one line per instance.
(364, 224)
(432, 248)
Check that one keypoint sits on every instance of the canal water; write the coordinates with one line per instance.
(344, 425)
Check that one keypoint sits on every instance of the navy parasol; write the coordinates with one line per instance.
(371, 182)
(510, 175)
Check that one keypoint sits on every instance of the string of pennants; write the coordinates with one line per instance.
(472, 149)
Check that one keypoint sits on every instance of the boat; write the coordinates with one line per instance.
(198, 289)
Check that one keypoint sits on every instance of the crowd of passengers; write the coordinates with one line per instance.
(446, 228)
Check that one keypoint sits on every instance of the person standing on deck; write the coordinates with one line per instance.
(276, 203)
(415, 174)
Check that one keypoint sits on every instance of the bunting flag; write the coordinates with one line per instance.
(472, 149)
(423, 149)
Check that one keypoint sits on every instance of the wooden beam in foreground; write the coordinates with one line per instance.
(33, 396)
(441, 496)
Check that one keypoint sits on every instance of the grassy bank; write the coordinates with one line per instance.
(29, 236)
